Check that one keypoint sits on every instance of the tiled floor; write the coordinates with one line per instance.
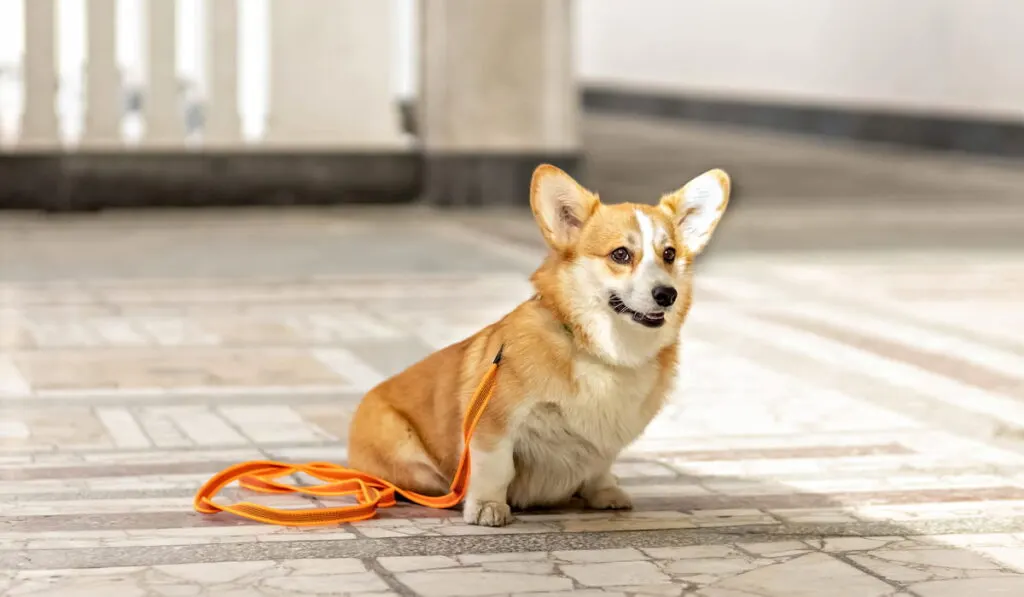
(846, 424)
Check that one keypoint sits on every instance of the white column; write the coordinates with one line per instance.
(561, 98)
(103, 94)
(498, 97)
(223, 125)
(39, 118)
(498, 75)
(162, 110)
(331, 75)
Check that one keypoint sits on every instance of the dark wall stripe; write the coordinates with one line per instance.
(1004, 138)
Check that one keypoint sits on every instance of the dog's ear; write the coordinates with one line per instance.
(697, 207)
(560, 205)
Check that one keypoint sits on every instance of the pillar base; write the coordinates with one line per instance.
(89, 180)
(489, 179)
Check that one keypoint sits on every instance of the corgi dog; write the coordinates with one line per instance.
(587, 362)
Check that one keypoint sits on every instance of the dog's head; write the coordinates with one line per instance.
(621, 273)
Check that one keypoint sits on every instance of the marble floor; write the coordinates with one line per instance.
(847, 423)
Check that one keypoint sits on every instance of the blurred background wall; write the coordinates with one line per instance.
(935, 74)
(962, 58)
(195, 102)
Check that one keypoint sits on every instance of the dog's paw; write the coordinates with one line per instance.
(609, 498)
(487, 514)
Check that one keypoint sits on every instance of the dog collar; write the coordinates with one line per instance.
(565, 326)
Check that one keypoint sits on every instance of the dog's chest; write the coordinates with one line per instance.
(609, 407)
(563, 440)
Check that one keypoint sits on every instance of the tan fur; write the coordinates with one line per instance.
(577, 384)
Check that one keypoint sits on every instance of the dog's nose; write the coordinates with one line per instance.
(664, 295)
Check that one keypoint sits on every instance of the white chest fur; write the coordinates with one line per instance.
(562, 441)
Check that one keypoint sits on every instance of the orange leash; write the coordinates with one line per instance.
(370, 492)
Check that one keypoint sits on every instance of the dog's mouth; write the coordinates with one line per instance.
(654, 319)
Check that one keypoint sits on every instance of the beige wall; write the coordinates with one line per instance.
(937, 56)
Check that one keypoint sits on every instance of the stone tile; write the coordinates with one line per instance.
(941, 558)
(1009, 557)
(321, 584)
(347, 365)
(411, 514)
(599, 555)
(642, 469)
(775, 549)
(665, 490)
(414, 563)
(523, 567)
(140, 538)
(14, 430)
(708, 567)
(636, 521)
(811, 575)
(79, 586)
(815, 515)
(989, 587)
(522, 556)
(189, 425)
(287, 578)
(169, 461)
(692, 551)
(571, 515)
(324, 566)
(173, 330)
(117, 331)
(395, 532)
(222, 572)
(267, 424)
(12, 382)
(732, 517)
(456, 528)
(333, 418)
(474, 581)
(123, 428)
(341, 325)
(607, 574)
(15, 334)
(63, 330)
(656, 590)
(242, 331)
(574, 593)
(68, 427)
(974, 540)
(746, 486)
(194, 367)
(318, 536)
(844, 544)
(914, 565)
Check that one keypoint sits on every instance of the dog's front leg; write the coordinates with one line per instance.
(491, 472)
(603, 493)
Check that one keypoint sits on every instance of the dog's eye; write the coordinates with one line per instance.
(669, 255)
(621, 255)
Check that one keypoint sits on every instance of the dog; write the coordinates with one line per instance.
(587, 362)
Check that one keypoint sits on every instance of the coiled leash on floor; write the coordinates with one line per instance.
(370, 492)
